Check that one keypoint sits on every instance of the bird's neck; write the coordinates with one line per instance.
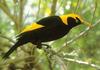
(73, 25)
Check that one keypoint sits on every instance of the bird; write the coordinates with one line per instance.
(47, 29)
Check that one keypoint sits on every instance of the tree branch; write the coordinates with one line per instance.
(47, 52)
(38, 9)
(78, 36)
(62, 58)
(21, 7)
(7, 12)
(78, 4)
(83, 62)
(5, 37)
(61, 63)
(53, 7)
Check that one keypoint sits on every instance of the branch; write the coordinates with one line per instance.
(62, 58)
(18, 5)
(94, 11)
(77, 6)
(8, 61)
(78, 36)
(82, 62)
(30, 61)
(47, 52)
(7, 12)
(38, 9)
(53, 7)
(9, 39)
(61, 63)
(21, 6)
(5, 37)
(14, 18)
(62, 3)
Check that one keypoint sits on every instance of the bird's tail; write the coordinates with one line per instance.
(14, 47)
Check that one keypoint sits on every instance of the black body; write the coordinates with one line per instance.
(54, 29)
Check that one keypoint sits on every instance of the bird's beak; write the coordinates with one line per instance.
(87, 23)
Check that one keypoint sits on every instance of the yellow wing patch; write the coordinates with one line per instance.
(31, 27)
(64, 19)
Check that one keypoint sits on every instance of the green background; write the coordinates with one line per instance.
(81, 52)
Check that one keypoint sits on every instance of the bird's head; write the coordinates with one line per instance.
(73, 20)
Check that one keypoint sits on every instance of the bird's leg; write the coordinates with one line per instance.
(39, 45)
(46, 46)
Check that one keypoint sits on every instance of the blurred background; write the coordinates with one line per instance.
(79, 50)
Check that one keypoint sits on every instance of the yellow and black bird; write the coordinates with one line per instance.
(47, 29)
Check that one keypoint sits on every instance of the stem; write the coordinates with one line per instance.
(77, 6)
(5, 37)
(7, 12)
(82, 62)
(48, 59)
(53, 7)
(21, 5)
(38, 9)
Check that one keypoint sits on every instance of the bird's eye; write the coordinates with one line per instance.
(78, 20)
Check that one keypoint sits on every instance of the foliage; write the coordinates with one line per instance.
(79, 50)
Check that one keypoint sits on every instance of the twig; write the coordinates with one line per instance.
(34, 60)
(61, 62)
(15, 1)
(62, 58)
(5, 62)
(5, 4)
(83, 62)
(21, 5)
(95, 8)
(78, 4)
(5, 37)
(61, 4)
(14, 18)
(19, 16)
(53, 7)
(7, 12)
(48, 58)
(9, 39)
(77, 61)
(78, 36)
(38, 9)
